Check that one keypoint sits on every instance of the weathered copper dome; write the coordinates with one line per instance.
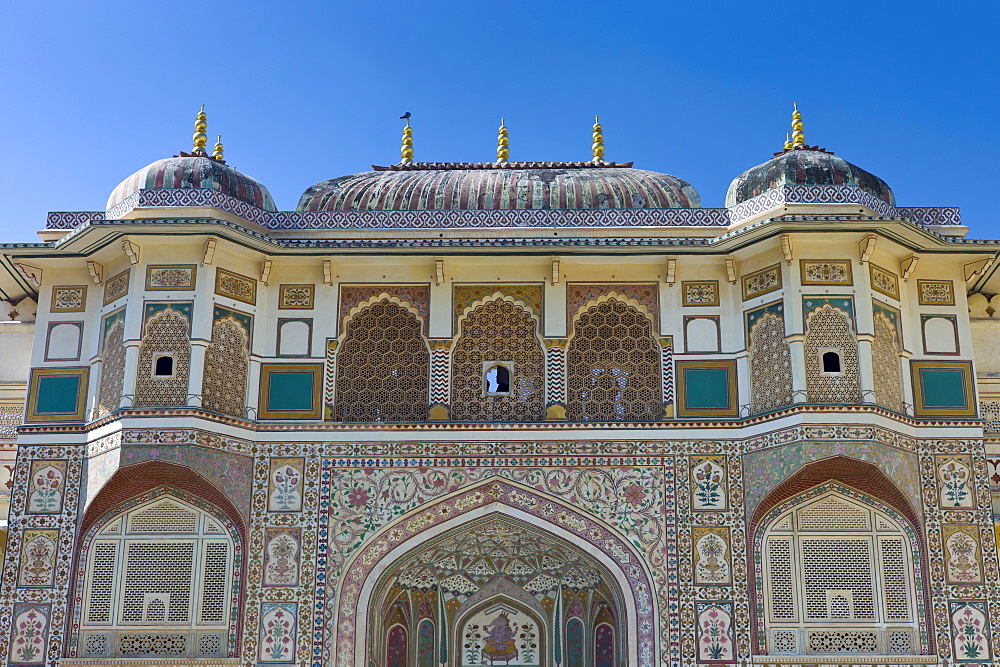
(194, 172)
(515, 185)
(805, 166)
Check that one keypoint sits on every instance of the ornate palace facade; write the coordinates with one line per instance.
(501, 413)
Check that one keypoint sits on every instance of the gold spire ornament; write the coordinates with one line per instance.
(598, 146)
(218, 154)
(503, 146)
(406, 152)
(798, 136)
(200, 138)
(788, 141)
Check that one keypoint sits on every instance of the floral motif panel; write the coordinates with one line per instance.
(884, 281)
(68, 298)
(711, 555)
(278, 627)
(235, 286)
(425, 644)
(29, 636)
(762, 282)
(47, 482)
(715, 632)
(936, 293)
(171, 277)
(604, 646)
(38, 558)
(297, 297)
(954, 481)
(826, 272)
(116, 287)
(395, 647)
(284, 492)
(700, 292)
(970, 632)
(962, 554)
(708, 483)
(282, 552)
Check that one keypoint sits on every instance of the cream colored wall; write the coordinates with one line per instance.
(17, 329)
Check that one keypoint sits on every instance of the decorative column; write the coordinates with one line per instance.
(131, 373)
(196, 374)
(555, 379)
(440, 409)
(797, 350)
(667, 382)
(865, 368)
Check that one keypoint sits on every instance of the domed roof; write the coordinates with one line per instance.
(194, 172)
(807, 165)
(514, 185)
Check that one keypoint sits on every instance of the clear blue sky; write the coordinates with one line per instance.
(305, 91)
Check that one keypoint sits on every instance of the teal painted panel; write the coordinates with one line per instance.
(706, 388)
(291, 390)
(57, 394)
(943, 388)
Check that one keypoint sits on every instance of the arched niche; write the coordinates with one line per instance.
(363, 588)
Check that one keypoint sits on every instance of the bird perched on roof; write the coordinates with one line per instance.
(405, 116)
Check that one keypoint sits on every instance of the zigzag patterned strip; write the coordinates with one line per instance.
(331, 366)
(555, 373)
(667, 361)
(440, 384)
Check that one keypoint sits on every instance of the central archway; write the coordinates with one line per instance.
(495, 590)
(366, 614)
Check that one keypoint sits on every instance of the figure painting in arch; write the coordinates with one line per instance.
(499, 640)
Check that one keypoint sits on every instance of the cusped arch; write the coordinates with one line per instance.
(502, 498)
(613, 362)
(499, 329)
(382, 363)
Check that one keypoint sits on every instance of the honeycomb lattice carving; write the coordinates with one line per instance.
(224, 387)
(885, 365)
(158, 644)
(383, 367)
(166, 332)
(112, 370)
(613, 365)
(498, 331)
(830, 328)
(770, 364)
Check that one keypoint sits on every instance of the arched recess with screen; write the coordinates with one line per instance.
(842, 574)
(159, 575)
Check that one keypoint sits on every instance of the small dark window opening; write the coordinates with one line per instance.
(498, 380)
(164, 366)
(831, 362)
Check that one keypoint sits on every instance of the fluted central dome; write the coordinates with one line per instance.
(478, 186)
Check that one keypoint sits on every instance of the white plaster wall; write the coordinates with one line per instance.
(15, 350)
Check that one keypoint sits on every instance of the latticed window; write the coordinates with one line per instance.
(498, 366)
(885, 364)
(830, 338)
(164, 361)
(839, 578)
(224, 386)
(613, 365)
(383, 367)
(770, 364)
(112, 369)
(158, 584)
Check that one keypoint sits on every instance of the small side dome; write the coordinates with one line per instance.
(194, 172)
(805, 166)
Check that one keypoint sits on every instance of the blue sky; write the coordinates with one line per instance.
(305, 91)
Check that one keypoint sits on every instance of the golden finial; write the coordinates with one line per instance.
(200, 138)
(503, 150)
(598, 140)
(406, 152)
(218, 154)
(798, 137)
(788, 141)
